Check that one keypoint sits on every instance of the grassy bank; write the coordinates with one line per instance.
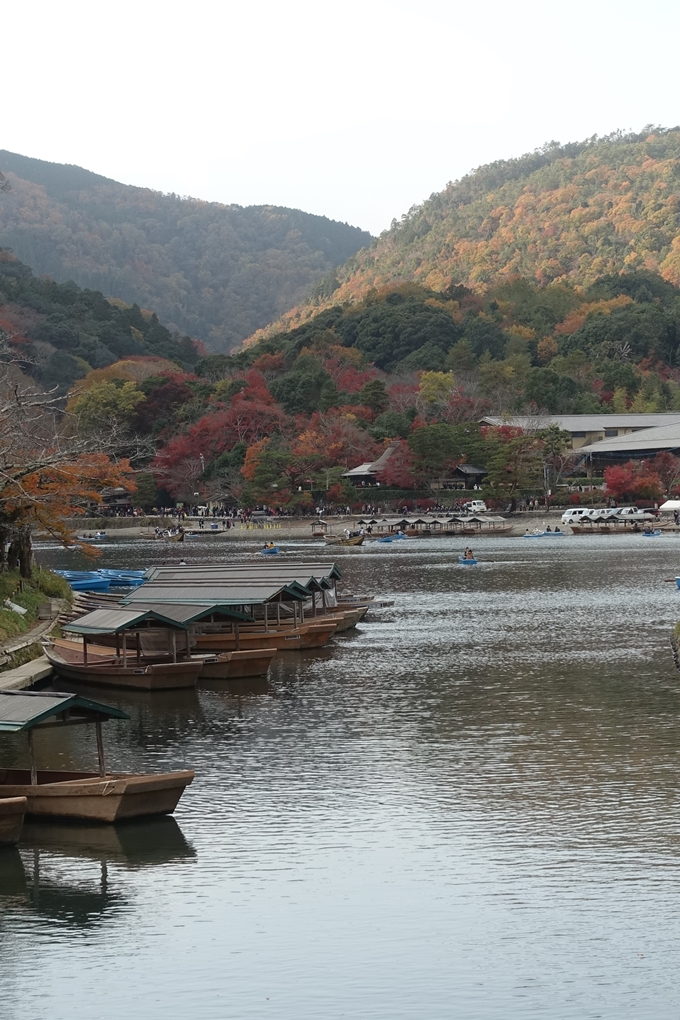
(30, 595)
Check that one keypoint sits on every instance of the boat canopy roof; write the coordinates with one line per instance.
(183, 615)
(24, 710)
(244, 571)
(212, 592)
(112, 621)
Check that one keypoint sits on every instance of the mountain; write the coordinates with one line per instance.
(216, 272)
(565, 213)
(58, 333)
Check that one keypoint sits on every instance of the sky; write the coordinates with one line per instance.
(353, 110)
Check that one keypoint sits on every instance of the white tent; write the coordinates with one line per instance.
(670, 505)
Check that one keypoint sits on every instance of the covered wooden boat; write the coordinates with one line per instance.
(158, 676)
(12, 811)
(93, 796)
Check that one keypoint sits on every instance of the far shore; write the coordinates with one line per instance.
(276, 528)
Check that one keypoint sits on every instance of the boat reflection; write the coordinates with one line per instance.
(240, 687)
(61, 871)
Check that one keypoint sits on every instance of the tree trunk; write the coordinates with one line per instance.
(13, 555)
(20, 553)
(25, 553)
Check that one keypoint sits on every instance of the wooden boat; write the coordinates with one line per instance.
(335, 540)
(226, 641)
(88, 796)
(283, 638)
(12, 811)
(92, 796)
(238, 665)
(108, 671)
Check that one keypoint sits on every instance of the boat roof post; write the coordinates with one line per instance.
(31, 751)
(85, 649)
(174, 645)
(237, 639)
(100, 748)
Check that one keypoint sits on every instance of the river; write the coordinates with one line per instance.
(468, 807)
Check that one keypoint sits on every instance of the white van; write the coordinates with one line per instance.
(475, 506)
(574, 516)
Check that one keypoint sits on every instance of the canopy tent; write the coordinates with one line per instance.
(671, 505)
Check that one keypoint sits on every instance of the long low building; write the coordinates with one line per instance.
(634, 446)
(588, 429)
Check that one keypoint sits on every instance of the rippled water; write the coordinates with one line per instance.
(469, 807)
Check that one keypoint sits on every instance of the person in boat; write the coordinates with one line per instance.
(182, 563)
(558, 531)
(548, 529)
(468, 554)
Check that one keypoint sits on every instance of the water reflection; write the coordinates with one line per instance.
(62, 872)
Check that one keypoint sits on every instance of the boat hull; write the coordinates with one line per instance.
(357, 540)
(154, 677)
(237, 665)
(12, 811)
(226, 642)
(86, 796)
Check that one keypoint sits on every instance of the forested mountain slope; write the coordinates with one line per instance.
(59, 333)
(564, 213)
(213, 271)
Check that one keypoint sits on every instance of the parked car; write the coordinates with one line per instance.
(475, 506)
(574, 515)
(631, 511)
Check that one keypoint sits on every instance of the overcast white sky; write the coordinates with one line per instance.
(355, 110)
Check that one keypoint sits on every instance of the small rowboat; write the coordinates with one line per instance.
(545, 534)
(12, 811)
(652, 534)
(386, 538)
(400, 534)
(354, 540)
(467, 562)
(270, 551)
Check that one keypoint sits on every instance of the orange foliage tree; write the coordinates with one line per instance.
(47, 474)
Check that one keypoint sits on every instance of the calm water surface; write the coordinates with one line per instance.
(469, 807)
